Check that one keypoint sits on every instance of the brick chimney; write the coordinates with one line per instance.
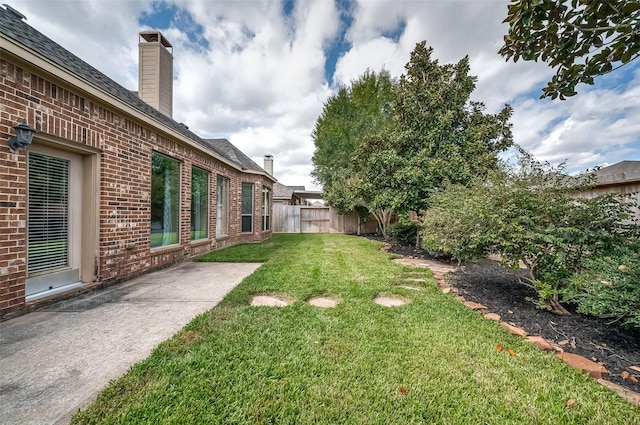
(155, 74)
(268, 164)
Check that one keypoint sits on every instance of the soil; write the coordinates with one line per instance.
(501, 290)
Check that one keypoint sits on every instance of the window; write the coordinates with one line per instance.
(165, 200)
(266, 208)
(199, 204)
(247, 207)
(222, 206)
(48, 213)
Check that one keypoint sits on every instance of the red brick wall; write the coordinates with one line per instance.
(12, 191)
(125, 182)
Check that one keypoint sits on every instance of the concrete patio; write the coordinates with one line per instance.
(55, 360)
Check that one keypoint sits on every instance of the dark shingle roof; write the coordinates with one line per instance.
(232, 153)
(13, 27)
(282, 191)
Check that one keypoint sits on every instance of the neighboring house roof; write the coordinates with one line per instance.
(308, 194)
(621, 171)
(282, 191)
(13, 27)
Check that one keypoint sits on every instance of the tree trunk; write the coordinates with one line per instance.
(383, 217)
(555, 307)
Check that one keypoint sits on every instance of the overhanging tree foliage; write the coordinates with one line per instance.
(582, 39)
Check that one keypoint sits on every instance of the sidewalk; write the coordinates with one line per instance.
(54, 361)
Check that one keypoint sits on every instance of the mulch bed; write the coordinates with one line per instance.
(500, 290)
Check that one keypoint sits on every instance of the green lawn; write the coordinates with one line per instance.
(431, 361)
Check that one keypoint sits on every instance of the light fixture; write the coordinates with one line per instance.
(24, 134)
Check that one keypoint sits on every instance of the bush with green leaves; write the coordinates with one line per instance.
(609, 287)
(531, 214)
(404, 230)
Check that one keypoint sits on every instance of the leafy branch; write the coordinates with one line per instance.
(582, 39)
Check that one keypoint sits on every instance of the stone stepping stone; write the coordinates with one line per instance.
(423, 263)
(325, 301)
(390, 300)
(411, 287)
(270, 301)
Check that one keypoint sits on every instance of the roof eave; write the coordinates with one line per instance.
(617, 182)
(28, 56)
(259, 173)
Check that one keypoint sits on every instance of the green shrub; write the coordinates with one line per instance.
(609, 287)
(458, 222)
(529, 214)
(404, 231)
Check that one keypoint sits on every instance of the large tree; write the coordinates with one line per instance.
(352, 114)
(387, 146)
(582, 39)
(442, 136)
(375, 162)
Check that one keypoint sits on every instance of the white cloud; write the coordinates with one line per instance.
(247, 72)
(97, 32)
(595, 126)
(375, 54)
(262, 82)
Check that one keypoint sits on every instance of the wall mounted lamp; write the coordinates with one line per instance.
(24, 135)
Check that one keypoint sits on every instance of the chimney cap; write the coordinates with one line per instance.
(268, 164)
(155, 36)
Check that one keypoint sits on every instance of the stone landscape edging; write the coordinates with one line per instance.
(595, 370)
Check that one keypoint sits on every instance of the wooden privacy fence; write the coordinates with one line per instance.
(303, 219)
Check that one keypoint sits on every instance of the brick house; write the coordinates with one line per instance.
(111, 186)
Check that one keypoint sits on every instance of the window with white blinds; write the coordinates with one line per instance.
(48, 213)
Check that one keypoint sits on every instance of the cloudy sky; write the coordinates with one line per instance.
(259, 71)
